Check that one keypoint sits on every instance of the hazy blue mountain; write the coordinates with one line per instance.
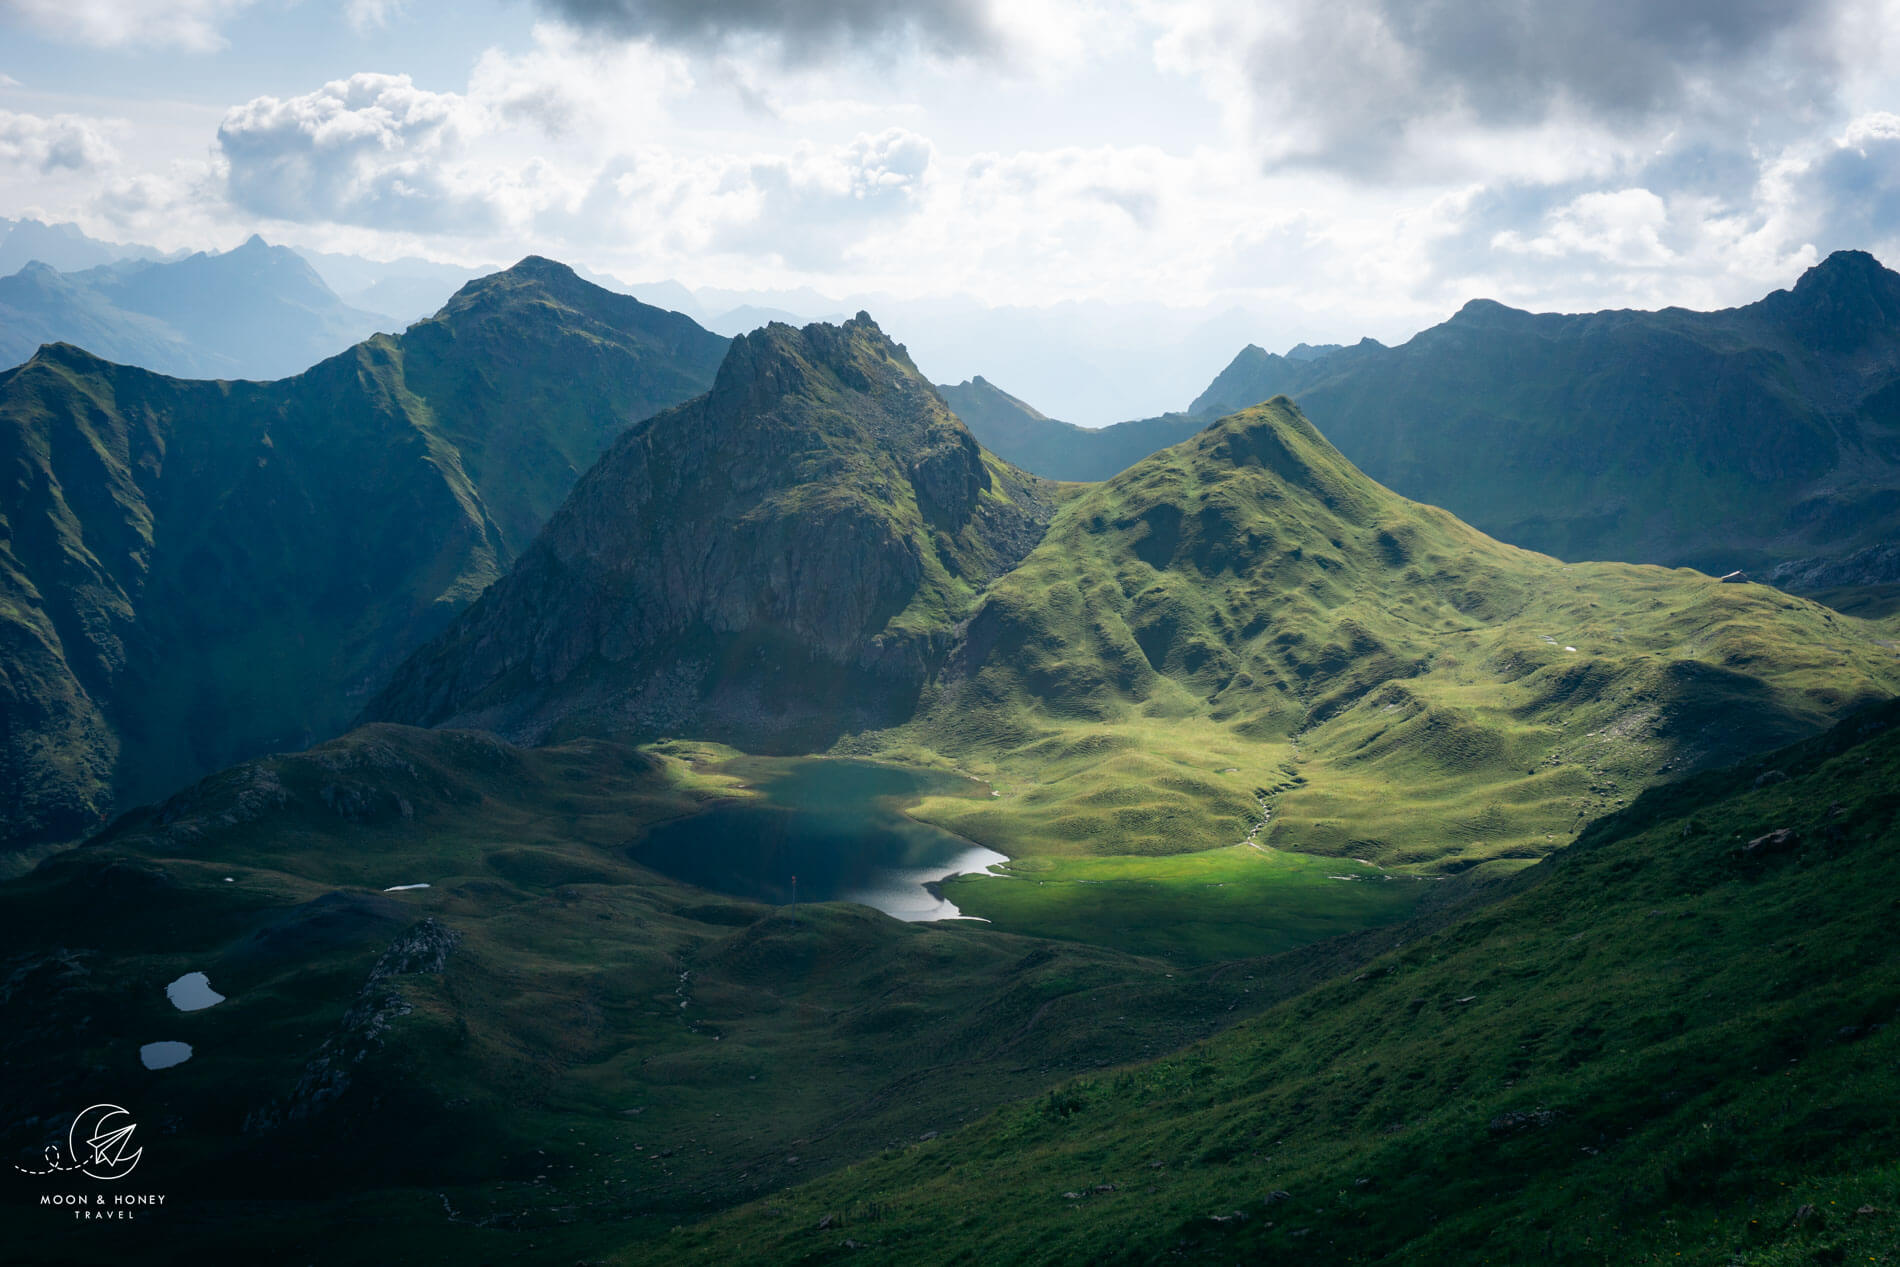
(402, 290)
(62, 246)
(41, 305)
(749, 317)
(669, 295)
(258, 312)
(1013, 429)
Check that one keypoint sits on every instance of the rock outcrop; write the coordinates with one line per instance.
(778, 562)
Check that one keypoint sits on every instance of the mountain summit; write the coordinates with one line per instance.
(778, 561)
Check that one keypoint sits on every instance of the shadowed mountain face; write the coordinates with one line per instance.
(780, 561)
(1719, 440)
(255, 312)
(194, 572)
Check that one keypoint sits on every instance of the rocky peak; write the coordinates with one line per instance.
(1486, 312)
(789, 551)
(1843, 304)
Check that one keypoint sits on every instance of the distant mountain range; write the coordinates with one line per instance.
(194, 571)
(1735, 439)
(257, 312)
(65, 247)
(1102, 360)
(1016, 430)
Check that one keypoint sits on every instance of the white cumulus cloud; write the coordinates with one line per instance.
(60, 142)
(372, 150)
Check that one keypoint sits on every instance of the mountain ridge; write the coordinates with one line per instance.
(825, 510)
(196, 570)
(1738, 438)
(1741, 438)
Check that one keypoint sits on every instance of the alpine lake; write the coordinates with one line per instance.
(823, 830)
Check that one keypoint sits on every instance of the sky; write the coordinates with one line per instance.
(1223, 170)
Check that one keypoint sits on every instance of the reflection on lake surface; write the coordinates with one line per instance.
(838, 826)
(192, 993)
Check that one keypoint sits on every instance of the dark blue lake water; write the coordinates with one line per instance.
(838, 826)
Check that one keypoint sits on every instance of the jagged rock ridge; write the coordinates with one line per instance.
(778, 562)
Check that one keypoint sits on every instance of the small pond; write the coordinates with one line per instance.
(164, 1055)
(838, 826)
(193, 993)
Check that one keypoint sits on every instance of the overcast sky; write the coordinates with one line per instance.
(1332, 167)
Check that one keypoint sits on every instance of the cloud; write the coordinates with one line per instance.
(365, 16)
(1622, 227)
(1371, 87)
(815, 208)
(61, 142)
(371, 150)
(801, 30)
(193, 25)
(1857, 185)
(572, 87)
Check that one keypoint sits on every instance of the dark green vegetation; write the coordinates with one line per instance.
(194, 572)
(1017, 432)
(255, 312)
(549, 1052)
(1718, 440)
(777, 563)
(1676, 1041)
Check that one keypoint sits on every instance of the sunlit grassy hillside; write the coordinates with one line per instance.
(1245, 625)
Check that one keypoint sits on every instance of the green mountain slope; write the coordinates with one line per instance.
(1245, 625)
(1675, 1041)
(197, 571)
(779, 562)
